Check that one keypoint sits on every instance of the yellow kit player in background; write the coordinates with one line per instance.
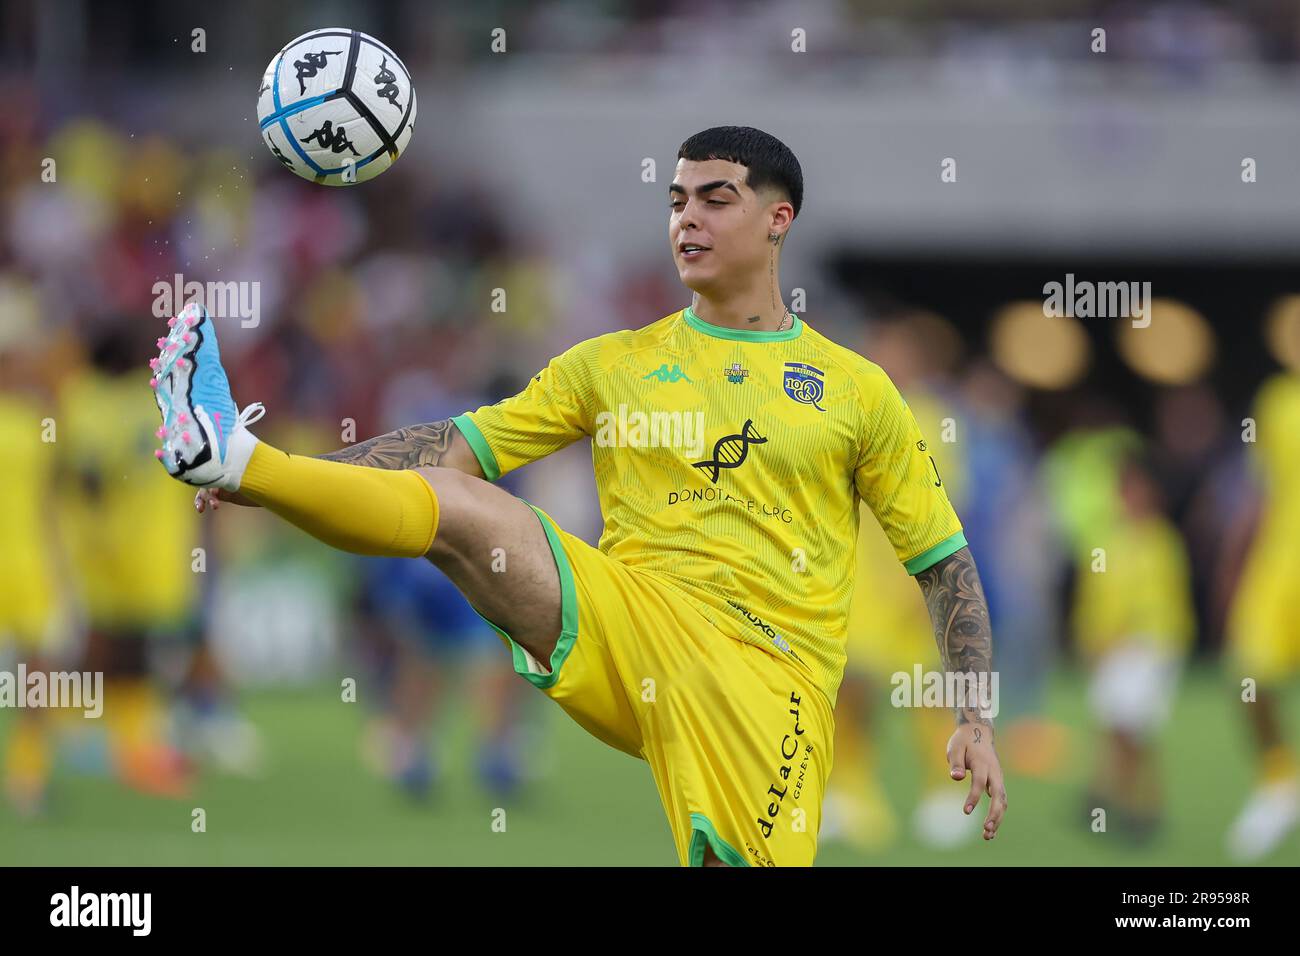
(890, 633)
(1134, 622)
(731, 444)
(129, 547)
(33, 619)
(1264, 622)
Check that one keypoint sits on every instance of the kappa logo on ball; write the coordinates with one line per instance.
(804, 383)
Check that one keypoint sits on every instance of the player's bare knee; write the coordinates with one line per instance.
(461, 512)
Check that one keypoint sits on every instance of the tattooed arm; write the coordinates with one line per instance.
(435, 443)
(960, 616)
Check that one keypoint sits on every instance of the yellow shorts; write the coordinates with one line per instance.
(1263, 637)
(739, 743)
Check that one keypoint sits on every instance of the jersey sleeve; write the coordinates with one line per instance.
(898, 479)
(552, 411)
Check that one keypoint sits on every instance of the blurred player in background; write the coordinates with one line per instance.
(1264, 621)
(119, 523)
(33, 615)
(889, 630)
(436, 645)
(1134, 623)
(435, 640)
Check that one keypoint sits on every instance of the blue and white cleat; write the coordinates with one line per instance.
(205, 438)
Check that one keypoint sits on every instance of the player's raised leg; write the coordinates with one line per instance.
(456, 519)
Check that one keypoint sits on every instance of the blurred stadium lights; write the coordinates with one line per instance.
(1282, 331)
(1043, 352)
(1175, 349)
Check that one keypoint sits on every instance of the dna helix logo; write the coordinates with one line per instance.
(730, 451)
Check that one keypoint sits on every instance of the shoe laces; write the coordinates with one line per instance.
(250, 414)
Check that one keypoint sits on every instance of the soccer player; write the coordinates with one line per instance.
(1264, 643)
(731, 445)
(1134, 622)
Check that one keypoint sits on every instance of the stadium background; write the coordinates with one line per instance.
(527, 174)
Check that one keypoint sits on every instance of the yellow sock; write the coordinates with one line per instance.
(135, 717)
(350, 507)
(1277, 763)
(27, 759)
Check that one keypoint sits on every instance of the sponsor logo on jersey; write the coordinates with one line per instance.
(730, 451)
(804, 383)
(759, 508)
(666, 374)
(779, 642)
(735, 374)
(786, 769)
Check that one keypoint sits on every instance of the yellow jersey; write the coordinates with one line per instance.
(130, 537)
(731, 464)
(1144, 595)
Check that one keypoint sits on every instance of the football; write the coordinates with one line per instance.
(336, 106)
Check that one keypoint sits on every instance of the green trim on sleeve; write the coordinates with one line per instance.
(482, 450)
(702, 833)
(526, 665)
(932, 556)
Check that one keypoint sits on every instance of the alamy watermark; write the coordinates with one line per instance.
(74, 690)
(951, 690)
(223, 300)
(624, 429)
(1101, 300)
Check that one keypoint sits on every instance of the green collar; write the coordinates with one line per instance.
(741, 335)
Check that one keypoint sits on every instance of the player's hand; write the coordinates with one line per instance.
(213, 497)
(971, 748)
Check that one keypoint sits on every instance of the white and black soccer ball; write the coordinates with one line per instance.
(336, 106)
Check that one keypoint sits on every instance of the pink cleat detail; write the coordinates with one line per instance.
(171, 323)
(158, 453)
(153, 383)
(184, 418)
(161, 342)
(153, 363)
(185, 437)
(161, 432)
(180, 364)
(189, 337)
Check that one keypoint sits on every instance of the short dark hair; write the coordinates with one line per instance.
(769, 161)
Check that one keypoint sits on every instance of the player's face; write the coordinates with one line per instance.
(711, 208)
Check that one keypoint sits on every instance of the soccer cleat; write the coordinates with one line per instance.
(1269, 816)
(206, 441)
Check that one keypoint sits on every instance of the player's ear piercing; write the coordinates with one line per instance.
(772, 237)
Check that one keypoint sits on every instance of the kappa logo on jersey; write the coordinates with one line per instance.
(730, 451)
(665, 374)
(804, 384)
(310, 65)
(735, 374)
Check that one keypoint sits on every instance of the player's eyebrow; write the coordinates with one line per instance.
(703, 188)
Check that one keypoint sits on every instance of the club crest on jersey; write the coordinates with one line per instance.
(804, 384)
(735, 374)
